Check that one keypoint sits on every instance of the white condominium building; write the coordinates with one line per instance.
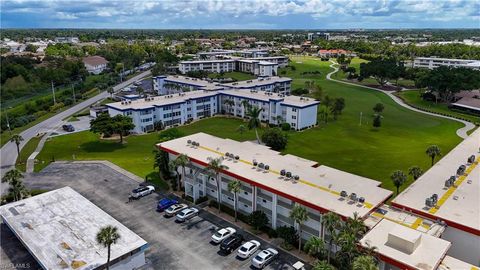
(177, 109)
(260, 66)
(273, 183)
(175, 84)
(432, 62)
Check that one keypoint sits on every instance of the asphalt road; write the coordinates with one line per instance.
(8, 153)
(172, 245)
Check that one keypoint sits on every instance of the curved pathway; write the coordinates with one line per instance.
(461, 132)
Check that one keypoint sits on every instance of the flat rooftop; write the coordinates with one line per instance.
(204, 84)
(405, 247)
(59, 229)
(459, 205)
(257, 82)
(296, 101)
(317, 187)
(208, 61)
(407, 219)
(450, 263)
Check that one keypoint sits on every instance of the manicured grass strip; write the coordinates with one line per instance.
(413, 98)
(26, 151)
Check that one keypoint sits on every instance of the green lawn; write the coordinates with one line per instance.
(26, 151)
(239, 76)
(342, 144)
(413, 97)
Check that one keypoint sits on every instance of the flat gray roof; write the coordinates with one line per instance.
(317, 187)
(458, 205)
(59, 229)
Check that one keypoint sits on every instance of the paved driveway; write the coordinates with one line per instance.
(172, 245)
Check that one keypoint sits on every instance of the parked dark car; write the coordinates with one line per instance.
(231, 243)
(165, 203)
(68, 128)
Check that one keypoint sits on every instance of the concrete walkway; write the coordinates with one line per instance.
(461, 132)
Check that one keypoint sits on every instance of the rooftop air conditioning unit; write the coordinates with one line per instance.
(343, 194)
(237, 157)
(261, 165)
(255, 163)
(434, 197)
(461, 170)
(429, 202)
(189, 141)
(353, 196)
(267, 167)
(296, 177)
(227, 154)
(448, 183)
(283, 172)
(288, 174)
(361, 200)
(471, 159)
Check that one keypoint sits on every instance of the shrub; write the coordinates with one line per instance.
(288, 234)
(275, 138)
(257, 219)
(201, 200)
(170, 134)
(286, 126)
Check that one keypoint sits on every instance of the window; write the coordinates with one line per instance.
(294, 117)
(294, 109)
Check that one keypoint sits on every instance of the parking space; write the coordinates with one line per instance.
(82, 124)
(172, 245)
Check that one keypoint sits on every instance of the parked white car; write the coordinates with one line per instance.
(264, 257)
(142, 191)
(247, 249)
(221, 234)
(186, 214)
(174, 209)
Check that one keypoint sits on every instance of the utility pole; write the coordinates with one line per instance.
(73, 90)
(361, 115)
(8, 123)
(53, 92)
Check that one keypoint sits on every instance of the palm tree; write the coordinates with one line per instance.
(182, 161)
(330, 223)
(398, 177)
(415, 172)
(241, 129)
(235, 187)
(433, 151)
(315, 247)
(348, 248)
(364, 262)
(107, 236)
(322, 265)
(299, 215)
(174, 167)
(246, 106)
(228, 103)
(356, 226)
(160, 161)
(215, 166)
(254, 122)
(17, 139)
(16, 187)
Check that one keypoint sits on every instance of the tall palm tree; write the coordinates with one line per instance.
(107, 236)
(17, 139)
(322, 265)
(433, 151)
(235, 187)
(246, 106)
(299, 215)
(16, 187)
(348, 248)
(228, 103)
(415, 172)
(173, 166)
(215, 167)
(398, 178)
(254, 122)
(364, 262)
(182, 161)
(330, 223)
(315, 247)
(356, 226)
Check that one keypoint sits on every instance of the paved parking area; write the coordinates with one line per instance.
(172, 245)
(82, 124)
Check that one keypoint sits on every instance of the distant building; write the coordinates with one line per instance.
(59, 229)
(468, 101)
(433, 62)
(335, 53)
(195, 99)
(95, 64)
(67, 40)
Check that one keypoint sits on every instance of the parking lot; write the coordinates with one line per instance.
(172, 245)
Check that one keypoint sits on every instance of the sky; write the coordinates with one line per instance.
(240, 14)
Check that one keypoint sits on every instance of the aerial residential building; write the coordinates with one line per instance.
(176, 84)
(260, 66)
(95, 64)
(247, 53)
(59, 229)
(180, 108)
(433, 62)
(449, 192)
(274, 183)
